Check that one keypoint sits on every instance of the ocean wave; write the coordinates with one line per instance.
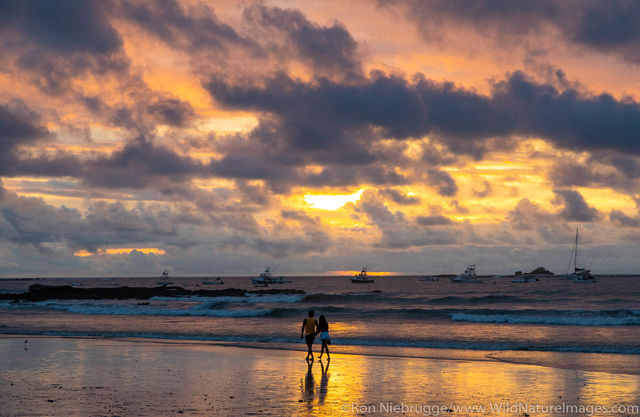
(139, 309)
(250, 298)
(566, 318)
(211, 308)
(354, 296)
(486, 299)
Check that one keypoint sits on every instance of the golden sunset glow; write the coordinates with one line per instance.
(392, 129)
(120, 251)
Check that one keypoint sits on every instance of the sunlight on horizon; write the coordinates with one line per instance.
(120, 251)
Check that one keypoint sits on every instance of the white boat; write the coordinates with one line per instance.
(165, 278)
(468, 276)
(523, 279)
(362, 277)
(267, 278)
(217, 281)
(429, 278)
(579, 275)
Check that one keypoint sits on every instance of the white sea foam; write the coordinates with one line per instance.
(568, 320)
(104, 308)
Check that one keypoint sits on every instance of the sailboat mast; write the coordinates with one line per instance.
(575, 260)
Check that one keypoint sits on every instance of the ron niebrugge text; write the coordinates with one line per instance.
(499, 407)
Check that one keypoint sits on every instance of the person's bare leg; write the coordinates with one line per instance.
(309, 351)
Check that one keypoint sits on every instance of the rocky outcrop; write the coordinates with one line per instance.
(39, 292)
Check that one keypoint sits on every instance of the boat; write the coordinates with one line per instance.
(523, 279)
(267, 278)
(165, 278)
(217, 281)
(362, 277)
(429, 278)
(468, 276)
(579, 275)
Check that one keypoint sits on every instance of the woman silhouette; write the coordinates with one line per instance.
(323, 329)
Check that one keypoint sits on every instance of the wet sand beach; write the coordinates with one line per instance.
(52, 376)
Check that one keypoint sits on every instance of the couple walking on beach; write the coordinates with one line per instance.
(310, 329)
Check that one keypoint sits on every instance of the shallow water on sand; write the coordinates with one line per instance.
(65, 376)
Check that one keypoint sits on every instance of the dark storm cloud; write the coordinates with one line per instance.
(575, 207)
(18, 124)
(324, 114)
(624, 220)
(606, 26)
(617, 172)
(171, 111)
(329, 48)
(266, 153)
(196, 27)
(64, 26)
(53, 42)
(433, 220)
(299, 216)
(444, 183)
(398, 197)
(137, 164)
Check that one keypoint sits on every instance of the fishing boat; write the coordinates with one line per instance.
(579, 275)
(165, 278)
(429, 278)
(362, 277)
(217, 281)
(267, 278)
(468, 276)
(523, 279)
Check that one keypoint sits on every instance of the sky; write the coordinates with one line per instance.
(410, 136)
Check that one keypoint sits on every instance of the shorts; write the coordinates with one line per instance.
(324, 336)
(310, 338)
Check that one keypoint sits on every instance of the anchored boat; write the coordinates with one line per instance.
(468, 276)
(267, 278)
(165, 278)
(579, 275)
(362, 277)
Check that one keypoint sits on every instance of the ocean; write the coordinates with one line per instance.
(402, 312)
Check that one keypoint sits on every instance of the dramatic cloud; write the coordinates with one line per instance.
(66, 26)
(328, 49)
(575, 207)
(328, 115)
(605, 26)
(433, 220)
(200, 130)
(399, 198)
(528, 216)
(194, 28)
(18, 124)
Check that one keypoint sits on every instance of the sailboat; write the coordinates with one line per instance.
(580, 275)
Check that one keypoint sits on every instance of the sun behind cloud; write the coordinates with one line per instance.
(331, 201)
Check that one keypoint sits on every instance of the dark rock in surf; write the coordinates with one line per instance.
(39, 292)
